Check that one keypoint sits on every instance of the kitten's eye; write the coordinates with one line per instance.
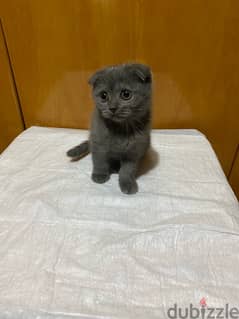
(125, 94)
(104, 96)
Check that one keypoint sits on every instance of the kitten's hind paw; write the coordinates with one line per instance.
(128, 186)
(100, 178)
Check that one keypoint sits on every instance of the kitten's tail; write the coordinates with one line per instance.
(79, 151)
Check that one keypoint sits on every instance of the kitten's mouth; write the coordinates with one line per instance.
(118, 119)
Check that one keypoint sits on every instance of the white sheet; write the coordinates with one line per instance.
(71, 248)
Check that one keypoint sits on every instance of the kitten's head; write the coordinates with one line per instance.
(122, 92)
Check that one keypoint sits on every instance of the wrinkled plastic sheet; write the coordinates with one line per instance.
(71, 248)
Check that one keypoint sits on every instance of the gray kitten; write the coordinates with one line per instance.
(120, 130)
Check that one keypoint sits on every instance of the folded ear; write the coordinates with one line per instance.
(97, 76)
(143, 72)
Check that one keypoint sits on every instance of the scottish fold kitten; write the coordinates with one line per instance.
(120, 129)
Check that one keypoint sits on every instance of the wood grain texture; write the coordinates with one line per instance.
(10, 119)
(234, 175)
(191, 45)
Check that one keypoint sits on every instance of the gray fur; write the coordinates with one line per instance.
(120, 129)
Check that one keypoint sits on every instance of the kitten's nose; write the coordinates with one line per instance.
(112, 109)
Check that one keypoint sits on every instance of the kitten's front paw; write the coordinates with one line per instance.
(100, 178)
(128, 186)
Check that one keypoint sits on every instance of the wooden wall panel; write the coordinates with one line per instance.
(234, 175)
(191, 45)
(10, 119)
